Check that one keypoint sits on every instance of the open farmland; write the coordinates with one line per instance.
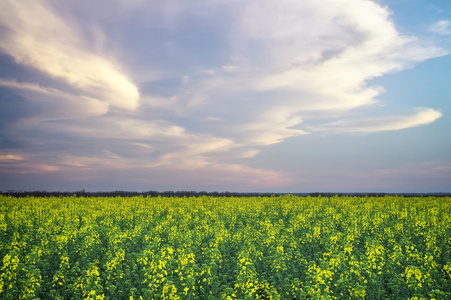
(286, 247)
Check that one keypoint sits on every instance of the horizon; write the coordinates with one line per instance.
(153, 193)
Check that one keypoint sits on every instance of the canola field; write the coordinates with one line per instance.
(286, 247)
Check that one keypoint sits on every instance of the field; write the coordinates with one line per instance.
(285, 247)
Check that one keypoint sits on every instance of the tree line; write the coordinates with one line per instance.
(83, 193)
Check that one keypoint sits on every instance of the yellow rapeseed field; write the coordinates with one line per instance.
(286, 247)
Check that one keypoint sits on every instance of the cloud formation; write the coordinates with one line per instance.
(53, 46)
(199, 87)
(441, 27)
(10, 157)
(423, 116)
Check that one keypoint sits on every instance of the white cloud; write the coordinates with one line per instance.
(53, 46)
(120, 128)
(304, 57)
(249, 153)
(272, 128)
(441, 27)
(423, 116)
(294, 60)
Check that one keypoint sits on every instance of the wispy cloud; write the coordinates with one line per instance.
(441, 27)
(294, 59)
(423, 116)
(58, 104)
(10, 157)
(53, 45)
(24, 164)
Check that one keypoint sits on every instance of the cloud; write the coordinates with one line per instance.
(423, 116)
(295, 59)
(53, 46)
(56, 104)
(441, 27)
(23, 164)
(10, 157)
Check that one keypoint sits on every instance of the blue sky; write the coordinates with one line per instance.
(279, 96)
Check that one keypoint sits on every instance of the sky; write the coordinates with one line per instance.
(225, 95)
